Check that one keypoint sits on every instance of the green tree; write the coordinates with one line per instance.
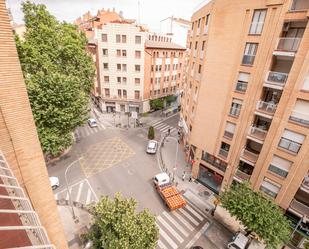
(116, 224)
(257, 213)
(58, 73)
(156, 104)
(151, 133)
(170, 99)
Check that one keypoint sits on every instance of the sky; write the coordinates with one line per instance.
(151, 12)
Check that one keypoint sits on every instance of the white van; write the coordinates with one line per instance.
(240, 241)
(161, 179)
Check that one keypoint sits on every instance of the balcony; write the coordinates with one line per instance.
(258, 132)
(300, 5)
(223, 153)
(300, 208)
(249, 155)
(288, 44)
(267, 107)
(242, 175)
(300, 118)
(305, 184)
(277, 78)
(214, 161)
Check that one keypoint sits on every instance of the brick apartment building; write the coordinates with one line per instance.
(133, 65)
(245, 107)
(27, 204)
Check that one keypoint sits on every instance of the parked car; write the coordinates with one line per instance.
(241, 241)
(92, 122)
(152, 147)
(54, 182)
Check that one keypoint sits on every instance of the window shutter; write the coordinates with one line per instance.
(274, 187)
(281, 163)
(230, 127)
(243, 77)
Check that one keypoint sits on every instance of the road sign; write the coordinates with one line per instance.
(134, 115)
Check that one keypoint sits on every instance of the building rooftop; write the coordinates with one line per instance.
(163, 45)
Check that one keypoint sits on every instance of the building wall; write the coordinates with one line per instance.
(208, 96)
(18, 136)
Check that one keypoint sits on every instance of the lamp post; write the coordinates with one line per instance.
(67, 186)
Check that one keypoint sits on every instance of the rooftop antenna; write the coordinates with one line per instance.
(139, 12)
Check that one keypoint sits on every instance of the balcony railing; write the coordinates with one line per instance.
(269, 107)
(300, 5)
(223, 153)
(242, 175)
(305, 183)
(228, 134)
(257, 132)
(249, 156)
(248, 59)
(241, 86)
(300, 117)
(290, 44)
(216, 162)
(300, 207)
(277, 78)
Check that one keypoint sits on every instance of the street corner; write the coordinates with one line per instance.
(104, 155)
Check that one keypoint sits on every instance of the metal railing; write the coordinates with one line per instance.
(305, 183)
(299, 5)
(248, 59)
(241, 86)
(300, 117)
(277, 78)
(21, 209)
(242, 175)
(214, 161)
(257, 132)
(248, 155)
(290, 44)
(269, 107)
(223, 153)
(300, 207)
(289, 145)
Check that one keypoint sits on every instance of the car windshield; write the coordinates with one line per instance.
(151, 145)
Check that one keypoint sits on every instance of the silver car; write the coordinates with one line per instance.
(92, 122)
(152, 147)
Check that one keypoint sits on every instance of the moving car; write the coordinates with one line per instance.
(92, 122)
(54, 182)
(152, 147)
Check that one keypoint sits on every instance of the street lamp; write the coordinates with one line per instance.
(67, 186)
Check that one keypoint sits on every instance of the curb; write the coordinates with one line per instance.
(48, 162)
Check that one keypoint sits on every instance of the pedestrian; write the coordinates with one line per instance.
(184, 176)
(169, 131)
(190, 179)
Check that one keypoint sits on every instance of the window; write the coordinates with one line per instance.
(137, 81)
(163, 90)
(138, 55)
(119, 93)
(137, 68)
(118, 52)
(106, 90)
(106, 79)
(124, 80)
(192, 26)
(124, 67)
(270, 188)
(124, 93)
(229, 130)
(257, 23)
(136, 95)
(118, 38)
(199, 23)
(124, 53)
(104, 37)
(119, 80)
(199, 68)
(280, 166)
(105, 66)
(124, 38)
(203, 46)
(300, 113)
(291, 141)
(242, 82)
(249, 53)
(195, 47)
(235, 108)
(138, 39)
(306, 83)
(224, 150)
(206, 24)
(118, 67)
(152, 68)
(105, 52)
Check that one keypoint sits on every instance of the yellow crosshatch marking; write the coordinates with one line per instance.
(104, 155)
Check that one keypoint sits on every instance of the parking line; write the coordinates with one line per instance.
(170, 229)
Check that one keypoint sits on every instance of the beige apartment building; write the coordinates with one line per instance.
(245, 108)
(28, 211)
(133, 65)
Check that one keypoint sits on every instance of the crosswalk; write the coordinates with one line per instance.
(176, 226)
(86, 130)
(163, 127)
(81, 192)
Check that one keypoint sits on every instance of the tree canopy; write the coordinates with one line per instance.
(257, 213)
(116, 224)
(58, 73)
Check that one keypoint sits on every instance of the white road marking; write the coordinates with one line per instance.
(183, 221)
(166, 129)
(196, 214)
(185, 213)
(86, 131)
(161, 245)
(170, 229)
(172, 220)
(101, 126)
(155, 123)
(197, 235)
(168, 239)
(88, 196)
(95, 195)
(79, 191)
(159, 126)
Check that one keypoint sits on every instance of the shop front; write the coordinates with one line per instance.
(210, 178)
